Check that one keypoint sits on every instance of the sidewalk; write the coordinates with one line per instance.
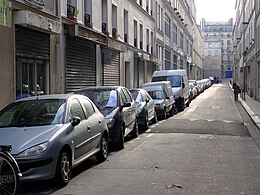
(252, 107)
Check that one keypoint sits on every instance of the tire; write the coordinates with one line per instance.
(63, 169)
(146, 122)
(135, 132)
(9, 170)
(172, 111)
(120, 143)
(154, 120)
(103, 153)
(181, 106)
(164, 115)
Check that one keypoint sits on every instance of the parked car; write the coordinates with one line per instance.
(145, 107)
(162, 94)
(51, 134)
(193, 91)
(117, 105)
(179, 83)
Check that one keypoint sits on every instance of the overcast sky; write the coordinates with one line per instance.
(215, 10)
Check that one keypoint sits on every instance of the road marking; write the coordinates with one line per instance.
(215, 107)
(192, 109)
(150, 135)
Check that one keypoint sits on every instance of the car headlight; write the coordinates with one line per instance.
(35, 150)
(110, 122)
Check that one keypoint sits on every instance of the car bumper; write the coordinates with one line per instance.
(37, 169)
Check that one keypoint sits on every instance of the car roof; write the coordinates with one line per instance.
(51, 96)
(101, 87)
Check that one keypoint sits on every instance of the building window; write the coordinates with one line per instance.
(31, 77)
(104, 17)
(114, 21)
(141, 37)
(88, 13)
(125, 26)
(135, 33)
(147, 40)
(167, 25)
(167, 60)
(181, 40)
(175, 60)
(175, 34)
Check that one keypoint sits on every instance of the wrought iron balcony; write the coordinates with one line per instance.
(114, 32)
(125, 38)
(71, 12)
(87, 20)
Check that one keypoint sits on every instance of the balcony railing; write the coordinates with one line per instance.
(71, 12)
(104, 28)
(141, 44)
(114, 32)
(87, 20)
(125, 38)
(135, 42)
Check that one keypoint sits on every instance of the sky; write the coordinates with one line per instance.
(215, 10)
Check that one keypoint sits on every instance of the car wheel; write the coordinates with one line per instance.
(63, 169)
(135, 132)
(154, 120)
(164, 115)
(103, 153)
(146, 122)
(120, 143)
(181, 106)
(172, 111)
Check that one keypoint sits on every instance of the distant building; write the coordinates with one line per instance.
(218, 57)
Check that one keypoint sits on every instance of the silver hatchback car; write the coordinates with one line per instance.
(51, 134)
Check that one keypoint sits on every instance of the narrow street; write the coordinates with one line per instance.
(206, 149)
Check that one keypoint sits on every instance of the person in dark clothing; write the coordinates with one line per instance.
(237, 90)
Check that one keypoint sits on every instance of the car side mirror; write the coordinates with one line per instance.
(75, 121)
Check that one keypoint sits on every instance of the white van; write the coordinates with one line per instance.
(162, 94)
(179, 84)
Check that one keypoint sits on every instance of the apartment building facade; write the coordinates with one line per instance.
(246, 47)
(217, 48)
(61, 46)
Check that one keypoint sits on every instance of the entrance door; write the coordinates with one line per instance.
(30, 78)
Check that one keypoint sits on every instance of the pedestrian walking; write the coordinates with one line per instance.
(237, 90)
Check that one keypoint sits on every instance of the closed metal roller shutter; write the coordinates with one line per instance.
(111, 72)
(80, 64)
(30, 43)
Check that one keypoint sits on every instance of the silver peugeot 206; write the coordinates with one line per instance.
(51, 134)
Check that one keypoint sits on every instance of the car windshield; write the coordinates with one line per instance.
(136, 95)
(33, 113)
(156, 94)
(174, 79)
(102, 97)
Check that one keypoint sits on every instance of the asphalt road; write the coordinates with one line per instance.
(206, 149)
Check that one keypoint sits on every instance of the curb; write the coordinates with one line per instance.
(253, 116)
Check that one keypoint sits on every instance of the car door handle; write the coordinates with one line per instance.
(88, 128)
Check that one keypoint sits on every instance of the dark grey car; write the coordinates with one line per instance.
(118, 107)
(145, 107)
(51, 134)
